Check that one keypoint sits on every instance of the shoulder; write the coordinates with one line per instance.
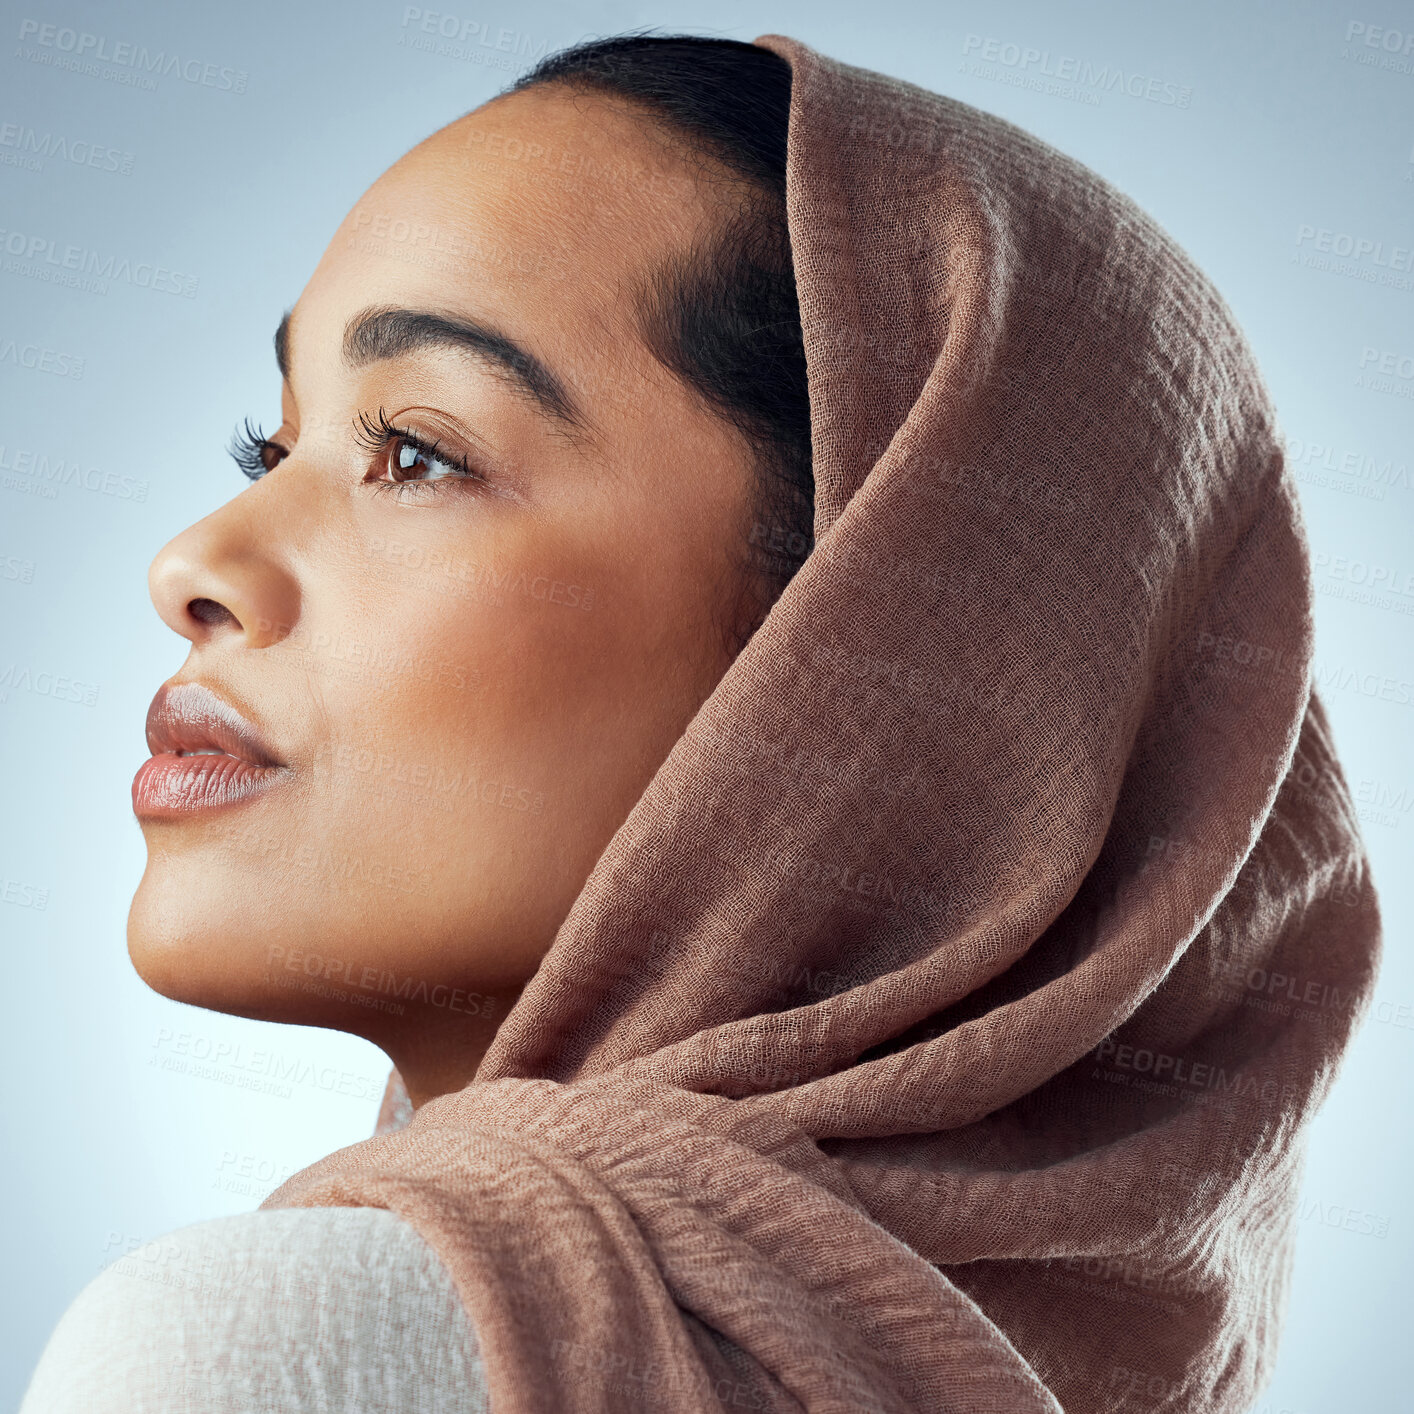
(329, 1309)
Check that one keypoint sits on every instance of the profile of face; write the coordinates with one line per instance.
(473, 596)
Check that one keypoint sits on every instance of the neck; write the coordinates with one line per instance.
(440, 1054)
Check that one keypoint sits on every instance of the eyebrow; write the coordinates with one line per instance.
(386, 332)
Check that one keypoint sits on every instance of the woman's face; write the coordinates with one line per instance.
(469, 681)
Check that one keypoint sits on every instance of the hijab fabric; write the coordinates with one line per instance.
(942, 1028)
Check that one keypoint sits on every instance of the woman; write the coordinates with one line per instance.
(769, 667)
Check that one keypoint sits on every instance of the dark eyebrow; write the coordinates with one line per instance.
(282, 345)
(391, 333)
(387, 332)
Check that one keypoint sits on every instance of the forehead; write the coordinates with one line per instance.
(544, 212)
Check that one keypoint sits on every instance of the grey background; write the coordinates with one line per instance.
(1298, 120)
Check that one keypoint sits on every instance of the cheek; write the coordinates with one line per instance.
(534, 639)
(487, 704)
(495, 687)
(470, 638)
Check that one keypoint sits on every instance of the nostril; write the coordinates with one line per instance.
(209, 611)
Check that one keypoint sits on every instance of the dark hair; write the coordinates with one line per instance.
(726, 318)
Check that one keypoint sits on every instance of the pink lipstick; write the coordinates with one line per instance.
(205, 755)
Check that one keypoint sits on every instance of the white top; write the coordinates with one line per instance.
(296, 1310)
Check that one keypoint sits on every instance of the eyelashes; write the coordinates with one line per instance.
(380, 437)
(249, 449)
(394, 449)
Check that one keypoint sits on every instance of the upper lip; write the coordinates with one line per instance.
(189, 716)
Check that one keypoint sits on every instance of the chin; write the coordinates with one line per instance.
(192, 941)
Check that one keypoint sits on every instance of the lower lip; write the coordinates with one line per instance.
(168, 785)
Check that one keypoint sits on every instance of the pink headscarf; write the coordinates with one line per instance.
(942, 1028)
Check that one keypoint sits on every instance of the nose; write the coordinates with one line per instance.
(222, 579)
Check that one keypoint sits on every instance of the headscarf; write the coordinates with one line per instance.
(942, 1028)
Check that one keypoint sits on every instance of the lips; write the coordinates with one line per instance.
(205, 754)
(187, 717)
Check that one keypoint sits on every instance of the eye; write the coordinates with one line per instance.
(254, 452)
(407, 456)
(409, 464)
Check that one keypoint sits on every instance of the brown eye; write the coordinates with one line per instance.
(407, 458)
(402, 458)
